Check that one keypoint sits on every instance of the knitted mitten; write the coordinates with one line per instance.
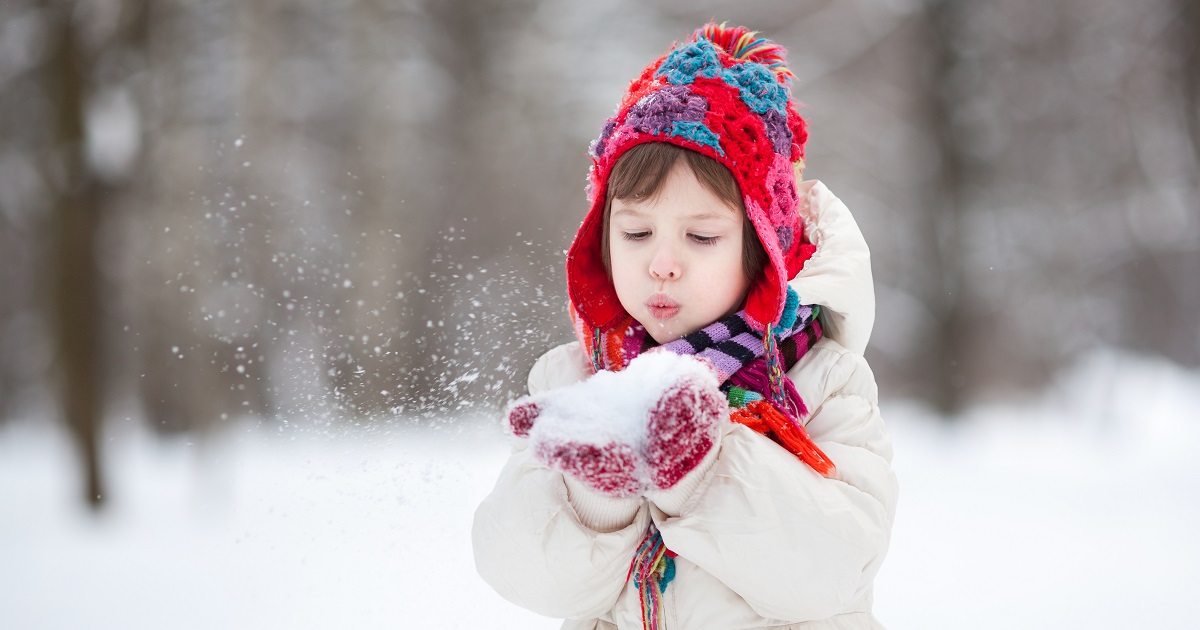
(604, 463)
(622, 433)
(609, 468)
(684, 425)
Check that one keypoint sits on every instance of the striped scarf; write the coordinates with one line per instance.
(751, 366)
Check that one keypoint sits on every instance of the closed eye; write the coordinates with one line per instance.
(704, 240)
(635, 236)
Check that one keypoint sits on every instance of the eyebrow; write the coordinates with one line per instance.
(699, 216)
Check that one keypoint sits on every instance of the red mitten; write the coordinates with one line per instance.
(578, 439)
(521, 415)
(609, 469)
(623, 433)
(684, 425)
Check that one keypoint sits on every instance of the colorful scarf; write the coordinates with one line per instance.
(750, 363)
(751, 366)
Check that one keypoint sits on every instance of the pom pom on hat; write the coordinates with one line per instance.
(744, 44)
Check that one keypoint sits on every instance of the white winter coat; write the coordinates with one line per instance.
(762, 540)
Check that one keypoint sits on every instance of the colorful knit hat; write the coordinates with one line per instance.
(723, 93)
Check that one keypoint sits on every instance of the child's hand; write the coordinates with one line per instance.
(684, 425)
(609, 469)
(623, 433)
(608, 466)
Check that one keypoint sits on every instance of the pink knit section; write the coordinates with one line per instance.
(683, 428)
(610, 469)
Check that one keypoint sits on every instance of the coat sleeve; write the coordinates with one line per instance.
(794, 545)
(546, 542)
(551, 546)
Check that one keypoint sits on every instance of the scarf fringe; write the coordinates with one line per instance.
(652, 569)
(754, 378)
(767, 419)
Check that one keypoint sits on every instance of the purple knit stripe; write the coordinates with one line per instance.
(725, 365)
(718, 331)
(681, 346)
(726, 359)
(710, 335)
(803, 315)
(753, 343)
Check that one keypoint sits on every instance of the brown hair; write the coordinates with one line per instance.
(639, 174)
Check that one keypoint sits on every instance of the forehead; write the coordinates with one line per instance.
(640, 211)
(681, 193)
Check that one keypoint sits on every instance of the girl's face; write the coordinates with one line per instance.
(677, 258)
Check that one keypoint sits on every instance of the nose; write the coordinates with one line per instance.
(664, 265)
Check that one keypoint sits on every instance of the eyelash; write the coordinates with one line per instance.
(699, 240)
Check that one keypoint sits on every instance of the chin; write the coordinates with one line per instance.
(665, 334)
(663, 339)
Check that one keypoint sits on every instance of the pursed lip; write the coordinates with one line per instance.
(662, 307)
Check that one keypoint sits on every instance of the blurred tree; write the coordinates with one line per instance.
(81, 197)
(947, 294)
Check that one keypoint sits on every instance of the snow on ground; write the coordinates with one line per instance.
(1075, 509)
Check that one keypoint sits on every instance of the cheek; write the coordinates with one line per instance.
(621, 265)
(733, 281)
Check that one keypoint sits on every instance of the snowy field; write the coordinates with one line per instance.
(1076, 509)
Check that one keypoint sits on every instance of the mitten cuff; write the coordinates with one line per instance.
(600, 512)
(672, 501)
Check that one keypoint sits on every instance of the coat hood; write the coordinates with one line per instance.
(838, 275)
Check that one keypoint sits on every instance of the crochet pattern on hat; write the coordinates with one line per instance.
(743, 137)
(655, 113)
(757, 87)
(782, 186)
(698, 133)
(684, 64)
(597, 148)
(778, 132)
(785, 236)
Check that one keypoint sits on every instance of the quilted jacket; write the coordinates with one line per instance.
(762, 540)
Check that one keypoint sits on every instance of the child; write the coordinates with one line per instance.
(709, 453)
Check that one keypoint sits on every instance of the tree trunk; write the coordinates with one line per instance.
(947, 296)
(76, 218)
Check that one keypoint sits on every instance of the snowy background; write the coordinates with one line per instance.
(1076, 510)
(272, 267)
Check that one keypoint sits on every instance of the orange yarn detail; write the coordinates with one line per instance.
(764, 418)
(743, 415)
(613, 345)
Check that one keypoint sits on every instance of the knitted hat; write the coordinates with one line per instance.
(723, 93)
